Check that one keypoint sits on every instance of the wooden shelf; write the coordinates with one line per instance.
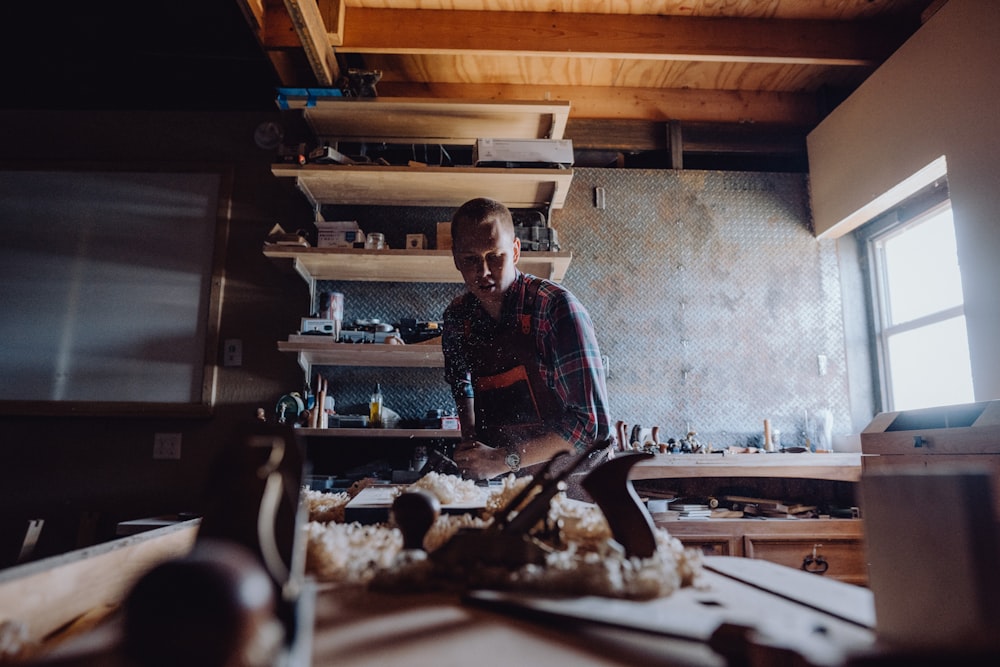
(322, 351)
(413, 266)
(404, 120)
(378, 433)
(844, 467)
(428, 186)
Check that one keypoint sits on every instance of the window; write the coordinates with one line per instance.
(918, 314)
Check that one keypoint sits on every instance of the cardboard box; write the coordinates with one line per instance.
(443, 241)
(523, 151)
(320, 326)
(339, 234)
(416, 241)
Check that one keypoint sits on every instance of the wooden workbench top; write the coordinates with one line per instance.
(359, 628)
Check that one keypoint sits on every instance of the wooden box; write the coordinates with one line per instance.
(965, 434)
(970, 428)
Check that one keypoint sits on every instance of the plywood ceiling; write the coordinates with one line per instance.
(777, 66)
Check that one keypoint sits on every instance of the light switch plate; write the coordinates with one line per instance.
(232, 352)
(167, 446)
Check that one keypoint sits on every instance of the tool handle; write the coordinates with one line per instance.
(414, 512)
(631, 524)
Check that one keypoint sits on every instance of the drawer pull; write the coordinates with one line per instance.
(815, 563)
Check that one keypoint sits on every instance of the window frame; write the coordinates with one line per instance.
(923, 204)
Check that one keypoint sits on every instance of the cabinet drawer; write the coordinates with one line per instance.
(842, 559)
(710, 545)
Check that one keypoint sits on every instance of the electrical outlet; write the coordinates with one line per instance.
(167, 446)
(233, 352)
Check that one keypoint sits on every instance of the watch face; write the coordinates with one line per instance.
(513, 461)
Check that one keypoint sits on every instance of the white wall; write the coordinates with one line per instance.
(938, 95)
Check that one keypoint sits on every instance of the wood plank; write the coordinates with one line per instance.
(411, 266)
(850, 603)
(633, 103)
(369, 30)
(433, 121)
(784, 628)
(835, 466)
(253, 10)
(753, 138)
(332, 12)
(429, 186)
(840, 10)
(47, 594)
(312, 33)
(675, 142)
(560, 70)
(348, 434)
(318, 352)
(277, 30)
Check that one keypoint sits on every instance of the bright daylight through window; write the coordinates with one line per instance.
(920, 317)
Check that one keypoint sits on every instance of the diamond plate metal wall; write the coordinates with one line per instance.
(711, 298)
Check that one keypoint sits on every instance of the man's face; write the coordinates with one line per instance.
(486, 255)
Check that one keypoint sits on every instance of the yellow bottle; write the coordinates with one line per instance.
(375, 408)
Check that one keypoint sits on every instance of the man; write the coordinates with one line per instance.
(520, 354)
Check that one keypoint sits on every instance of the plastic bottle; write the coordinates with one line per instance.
(375, 408)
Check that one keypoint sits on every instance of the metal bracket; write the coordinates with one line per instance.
(31, 536)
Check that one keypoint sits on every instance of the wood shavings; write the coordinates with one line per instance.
(325, 507)
(350, 552)
(584, 560)
(449, 489)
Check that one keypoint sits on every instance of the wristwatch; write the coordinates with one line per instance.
(513, 462)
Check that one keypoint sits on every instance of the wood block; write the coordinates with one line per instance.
(932, 547)
(443, 239)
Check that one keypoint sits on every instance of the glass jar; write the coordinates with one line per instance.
(375, 241)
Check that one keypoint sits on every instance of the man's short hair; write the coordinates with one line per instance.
(479, 210)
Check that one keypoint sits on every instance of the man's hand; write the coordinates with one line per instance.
(478, 461)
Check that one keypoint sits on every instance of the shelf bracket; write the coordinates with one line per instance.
(305, 365)
(548, 206)
(305, 274)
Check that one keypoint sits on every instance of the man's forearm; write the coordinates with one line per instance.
(542, 448)
(466, 417)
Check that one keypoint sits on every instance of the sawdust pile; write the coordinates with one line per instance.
(582, 558)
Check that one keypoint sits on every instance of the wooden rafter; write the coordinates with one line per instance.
(616, 36)
(308, 22)
(332, 12)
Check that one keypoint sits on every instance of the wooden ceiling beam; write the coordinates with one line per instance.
(661, 104)
(640, 135)
(308, 22)
(408, 31)
(295, 37)
(332, 12)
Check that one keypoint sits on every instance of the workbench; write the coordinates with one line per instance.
(355, 627)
